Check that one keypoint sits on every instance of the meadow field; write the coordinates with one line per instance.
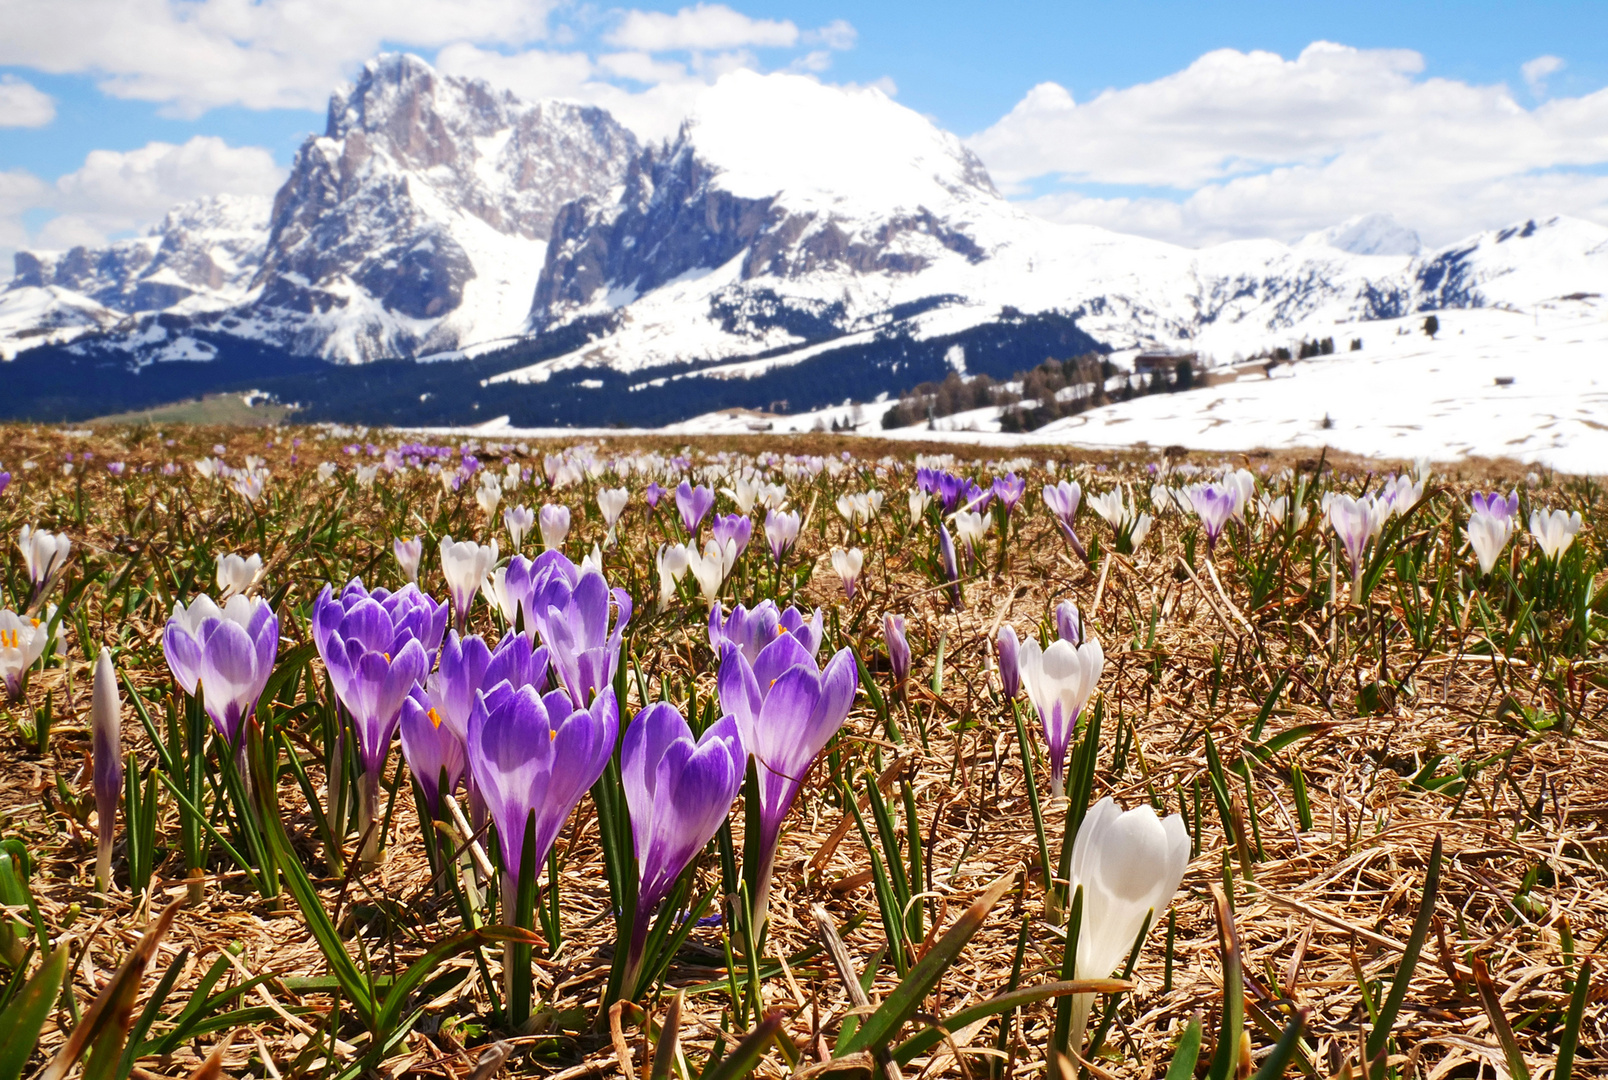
(331, 752)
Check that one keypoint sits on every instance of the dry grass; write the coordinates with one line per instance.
(1523, 840)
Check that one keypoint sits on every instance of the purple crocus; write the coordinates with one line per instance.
(535, 755)
(752, 630)
(1069, 622)
(679, 791)
(5, 481)
(224, 653)
(946, 554)
(1009, 489)
(1214, 504)
(435, 753)
(377, 646)
(572, 615)
(653, 494)
(694, 503)
(1062, 500)
(1010, 661)
(737, 528)
(787, 709)
(1493, 505)
(106, 727)
(893, 630)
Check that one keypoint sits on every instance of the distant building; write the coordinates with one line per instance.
(1167, 362)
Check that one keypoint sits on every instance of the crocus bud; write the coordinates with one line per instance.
(781, 532)
(106, 730)
(735, 529)
(555, 523)
(408, 553)
(1069, 622)
(1554, 530)
(893, 628)
(1010, 665)
(848, 565)
(518, 520)
(465, 565)
(1129, 865)
(237, 575)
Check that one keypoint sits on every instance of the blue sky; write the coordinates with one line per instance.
(124, 79)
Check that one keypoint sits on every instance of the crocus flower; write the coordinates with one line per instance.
(535, 755)
(1355, 521)
(787, 710)
(488, 495)
(653, 493)
(22, 643)
(893, 630)
(671, 562)
(781, 532)
(237, 575)
(1009, 489)
(734, 529)
(1129, 866)
(1490, 527)
(848, 565)
(226, 654)
(465, 565)
(1059, 681)
(434, 752)
(518, 520)
(572, 616)
(1069, 622)
(1554, 530)
(752, 630)
(106, 728)
(970, 527)
(611, 504)
(376, 646)
(919, 501)
(946, 555)
(44, 553)
(555, 526)
(679, 791)
(5, 481)
(1010, 661)
(1061, 500)
(693, 503)
(1214, 504)
(709, 569)
(409, 555)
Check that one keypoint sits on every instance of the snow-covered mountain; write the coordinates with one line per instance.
(794, 243)
(201, 257)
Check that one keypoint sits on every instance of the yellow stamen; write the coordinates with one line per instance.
(552, 733)
(435, 718)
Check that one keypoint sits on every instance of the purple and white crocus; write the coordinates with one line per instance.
(1061, 500)
(1214, 504)
(787, 710)
(693, 503)
(679, 791)
(225, 655)
(753, 629)
(1491, 525)
(1059, 681)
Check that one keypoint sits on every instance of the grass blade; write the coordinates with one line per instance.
(22, 1020)
(1409, 958)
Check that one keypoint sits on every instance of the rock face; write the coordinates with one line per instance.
(418, 185)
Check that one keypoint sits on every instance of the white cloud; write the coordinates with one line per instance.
(1250, 144)
(1536, 71)
(192, 55)
(117, 192)
(704, 27)
(24, 105)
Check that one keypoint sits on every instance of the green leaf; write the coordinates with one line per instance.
(425, 966)
(1409, 959)
(745, 1055)
(1225, 1060)
(1187, 1054)
(25, 1016)
(1275, 1064)
(884, 1024)
(1571, 1028)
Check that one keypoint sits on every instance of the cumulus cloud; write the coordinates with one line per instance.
(704, 27)
(192, 55)
(1536, 71)
(118, 192)
(24, 105)
(1251, 144)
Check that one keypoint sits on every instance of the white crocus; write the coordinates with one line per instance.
(465, 565)
(1059, 681)
(848, 565)
(1110, 506)
(488, 495)
(1129, 866)
(518, 520)
(745, 492)
(408, 555)
(366, 475)
(710, 568)
(1488, 534)
(555, 522)
(970, 527)
(249, 485)
(22, 642)
(1554, 530)
(237, 575)
(919, 501)
(44, 553)
(611, 504)
(773, 497)
(672, 562)
(495, 590)
(592, 563)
